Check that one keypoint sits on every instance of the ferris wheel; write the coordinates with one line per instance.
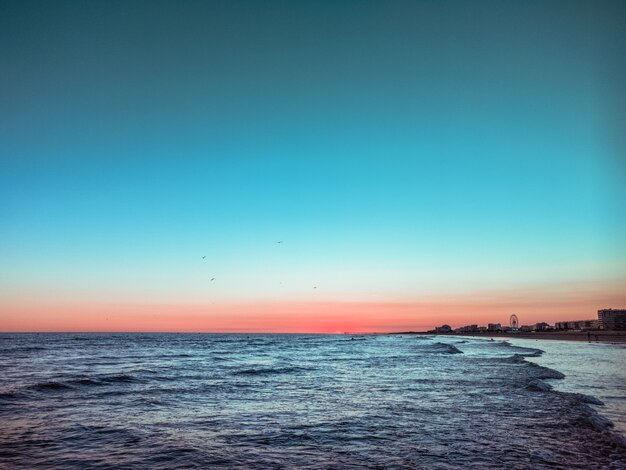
(514, 322)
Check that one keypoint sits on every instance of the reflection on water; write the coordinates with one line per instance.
(305, 401)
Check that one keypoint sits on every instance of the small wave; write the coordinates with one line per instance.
(124, 378)
(9, 395)
(145, 371)
(270, 370)
(615, 397)
(443, 348)
(27, 349)
(520, 350)
(599, 422)
(541, 372)
(87, 382)
(48, 386)
(423, 338)
(587, 399)
(539, 386)
(110, 379)
(532, 352)
(544, 458)
(515, 359)
(591, 400)
(595, 420)
(174, 356)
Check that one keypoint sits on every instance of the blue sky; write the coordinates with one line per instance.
(398, 149)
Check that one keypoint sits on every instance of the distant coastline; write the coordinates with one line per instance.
(604, 336)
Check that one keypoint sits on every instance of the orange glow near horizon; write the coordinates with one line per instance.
(303, 317)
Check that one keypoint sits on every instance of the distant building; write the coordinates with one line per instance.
(526, 328)
(543, 326)
(612, 319)
(494, 327)
(467, 329)
(443, 329)
(578, 325)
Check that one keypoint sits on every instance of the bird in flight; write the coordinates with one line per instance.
(315, 287)
(279, 242)
(204, 257)
(212, 279)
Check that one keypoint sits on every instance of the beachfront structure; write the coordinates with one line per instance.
(612, 319)
(494, 327)
(467, 329)
(543, 326)
(443, 329)
(578, 325)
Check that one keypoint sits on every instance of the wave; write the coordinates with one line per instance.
(588, 417)
(173, 356)
(592, 419)
(25, 349)
(423, 338)
(123, 378)
(13, 395)
(51, 386)
(104, 380)
(271, 370)
(87, 382)
(219, 358)
(537, 385)
(590, 399)
(84, 381)
(520, 350)
(541, 372)
(440, 348)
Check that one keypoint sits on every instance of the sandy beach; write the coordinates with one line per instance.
(601, 336)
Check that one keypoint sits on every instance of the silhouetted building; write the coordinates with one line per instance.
(578, 325)
(468, 329)
(494, 327)
(543, 326)
(443, 329)
(612, 319)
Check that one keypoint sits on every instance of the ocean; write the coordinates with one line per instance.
(308, 401)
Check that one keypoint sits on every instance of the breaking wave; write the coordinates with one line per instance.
(436, 348)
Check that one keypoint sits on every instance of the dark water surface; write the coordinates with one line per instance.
(290, 401)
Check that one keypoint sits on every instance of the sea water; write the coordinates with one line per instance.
(306, 401)
(593, 369)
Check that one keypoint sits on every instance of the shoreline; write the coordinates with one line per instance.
(604, 336)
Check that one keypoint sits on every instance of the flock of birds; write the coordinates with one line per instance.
(278, 242)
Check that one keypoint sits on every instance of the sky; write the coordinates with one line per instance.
(420, 162)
